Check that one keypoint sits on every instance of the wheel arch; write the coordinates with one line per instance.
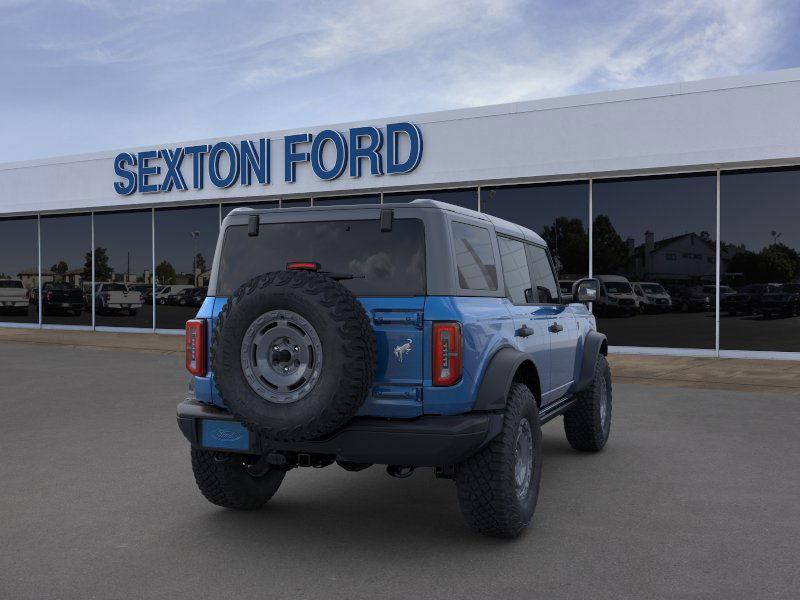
(507, 365)
(594, 345)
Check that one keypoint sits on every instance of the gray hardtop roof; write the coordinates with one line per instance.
(500, 225)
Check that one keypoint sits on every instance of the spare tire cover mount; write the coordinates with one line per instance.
(281, 356)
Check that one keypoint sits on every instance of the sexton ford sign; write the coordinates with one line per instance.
(225, 164)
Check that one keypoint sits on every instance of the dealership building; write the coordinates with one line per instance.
(684, 199)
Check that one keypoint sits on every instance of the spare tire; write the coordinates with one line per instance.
(293, 355)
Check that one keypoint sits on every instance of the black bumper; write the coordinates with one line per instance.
(428, 441)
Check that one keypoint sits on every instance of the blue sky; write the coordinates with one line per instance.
(86, 75)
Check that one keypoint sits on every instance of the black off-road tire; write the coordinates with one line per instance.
(348, 349)
(224, 480)
(487, 491)
(585, 429)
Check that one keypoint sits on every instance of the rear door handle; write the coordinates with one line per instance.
(555, 328)
(523, 331)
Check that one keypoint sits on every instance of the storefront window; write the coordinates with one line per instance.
(227, 208)
(19, 270)
(185, 243)
(654, 254)
(557, 212)
(347, 200)
(123, 267)
(295, 203)
(760, 260)
(67, 269)
(467, 198)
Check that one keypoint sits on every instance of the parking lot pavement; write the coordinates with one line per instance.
(695, 496)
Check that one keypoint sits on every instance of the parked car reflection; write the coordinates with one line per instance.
(62, 298)
(690, 299)
(785, 301)
(651, 297)
(747, 301)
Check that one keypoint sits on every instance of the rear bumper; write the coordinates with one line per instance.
(428, 441)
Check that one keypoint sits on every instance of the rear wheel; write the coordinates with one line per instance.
(588, 423)
(498, 486)
(232, 481)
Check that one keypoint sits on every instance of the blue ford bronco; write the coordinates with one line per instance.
(406, 335)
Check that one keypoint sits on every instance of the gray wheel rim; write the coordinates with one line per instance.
(523, 459)
(281, 356)
(603, 403)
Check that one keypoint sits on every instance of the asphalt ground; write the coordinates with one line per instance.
(695, 496)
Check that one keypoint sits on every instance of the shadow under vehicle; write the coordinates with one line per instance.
(13, 297)
(690, 299)
(783, 302)
(651, 297)
(616, 296)
(747, 301)
(62, 298)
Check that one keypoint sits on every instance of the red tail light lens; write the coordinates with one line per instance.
(196, 347)
(446, 353)
(303, 266)
(49, 296)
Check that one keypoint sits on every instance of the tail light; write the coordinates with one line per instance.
(49, 296)
(446, 353)
(196, 347)
(106, 296)
(299, 265)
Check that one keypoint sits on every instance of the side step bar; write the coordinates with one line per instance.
(552, 410)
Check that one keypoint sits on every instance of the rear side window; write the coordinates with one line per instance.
(515, 270)
(390, 263)
(543, 278)
(474, 257)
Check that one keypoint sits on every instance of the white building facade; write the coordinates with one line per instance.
(611, 180)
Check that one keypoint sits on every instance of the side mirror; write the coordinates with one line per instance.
(585, 290)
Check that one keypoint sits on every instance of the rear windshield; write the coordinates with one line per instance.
(10, 284)
(114, 287)
(392, 263)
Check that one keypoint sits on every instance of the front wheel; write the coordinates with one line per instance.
(499, 485)
(588, 423)
(229, 480)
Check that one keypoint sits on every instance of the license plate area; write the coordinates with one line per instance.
(224, 435)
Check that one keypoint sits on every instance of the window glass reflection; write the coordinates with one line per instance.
(467, 198)
(66, 267)
(347, 200)
(227, 208)
(760, 260)
(185, 242)
(557, 212)
(295, 203)
(19, 270)
(654, 254)
(123, 268)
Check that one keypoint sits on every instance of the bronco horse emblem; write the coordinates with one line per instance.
(403, 349)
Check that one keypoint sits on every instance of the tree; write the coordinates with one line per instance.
(102, 270)
(568, 241)
(777, 263)
(200, 263)
(60, 268)
(610, 252)
(165, 273)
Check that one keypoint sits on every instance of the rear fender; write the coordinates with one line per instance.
(499, 376)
